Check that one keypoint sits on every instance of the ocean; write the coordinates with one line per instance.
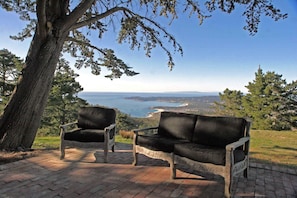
(132, 107)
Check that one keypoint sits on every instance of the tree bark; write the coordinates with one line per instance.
(21, 118)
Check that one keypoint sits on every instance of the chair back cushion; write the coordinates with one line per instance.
(177, 125)
(95, 117)
(218, 131)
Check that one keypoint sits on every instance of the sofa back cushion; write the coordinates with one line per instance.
(95, 117)
(218, 131)
(177, 125)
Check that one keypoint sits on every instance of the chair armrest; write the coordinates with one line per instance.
(110, 127)
(144, 129)
(237, 144)
(65, 126)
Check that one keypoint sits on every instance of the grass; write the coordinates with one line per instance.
(266, 146)
(46, 142)
(53, 142)
(277, 147)
(119, 138)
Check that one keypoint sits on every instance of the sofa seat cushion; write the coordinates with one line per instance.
(85, 135)
(205, 154)
(157, 142)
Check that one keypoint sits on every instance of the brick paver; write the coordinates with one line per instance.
(79, 176)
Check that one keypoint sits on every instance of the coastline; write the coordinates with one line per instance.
(159, 110)
(150, 104)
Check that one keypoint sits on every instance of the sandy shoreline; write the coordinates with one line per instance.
(156, 111)
(159, 110)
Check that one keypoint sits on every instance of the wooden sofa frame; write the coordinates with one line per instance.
(227, 171)
(168, 157)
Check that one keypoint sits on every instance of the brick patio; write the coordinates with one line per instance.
(78, 176)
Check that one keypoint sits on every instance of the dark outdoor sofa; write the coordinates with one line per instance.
(219, 145)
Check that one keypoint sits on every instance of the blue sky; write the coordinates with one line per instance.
(219, 54)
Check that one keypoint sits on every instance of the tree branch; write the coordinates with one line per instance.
(79, 11)
(85, 44)
(98, 17)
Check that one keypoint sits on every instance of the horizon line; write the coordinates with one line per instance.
(190, 92)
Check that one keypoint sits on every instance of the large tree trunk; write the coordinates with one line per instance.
(21, 118)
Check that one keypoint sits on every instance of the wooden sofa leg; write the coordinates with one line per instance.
(135, 156)
(228, 184)
(173, 172)
(172, 167)
(246, 172)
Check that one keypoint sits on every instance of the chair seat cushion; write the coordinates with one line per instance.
(205, 154)
(85, 135)
(157, 142)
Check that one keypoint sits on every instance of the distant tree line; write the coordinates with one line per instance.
(271, 102)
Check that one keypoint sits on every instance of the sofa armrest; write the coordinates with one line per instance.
(237, 144)
(136, 131)
(230, 148)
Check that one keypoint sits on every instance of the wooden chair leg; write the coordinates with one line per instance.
(105, 153)
(62, 149)
(135, 156)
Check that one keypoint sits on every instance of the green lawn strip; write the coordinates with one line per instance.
(46, 142)
(275, 147)
(53, 142)
(120, 139)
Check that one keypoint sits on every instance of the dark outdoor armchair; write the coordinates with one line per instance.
(95, 127)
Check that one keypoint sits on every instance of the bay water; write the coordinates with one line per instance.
(132, 107)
